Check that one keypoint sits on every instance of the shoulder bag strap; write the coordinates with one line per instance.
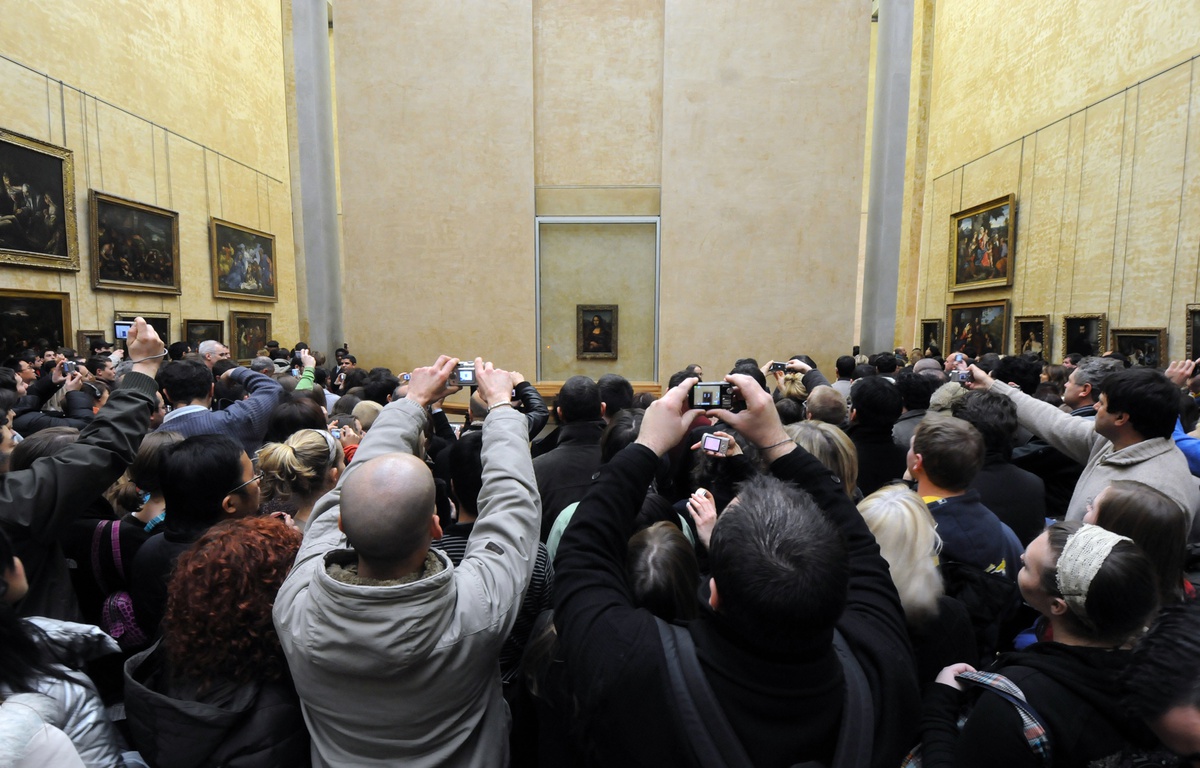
(116, 548)
(705, 727)
(97, 543)
(856, 736)
(1034, 726)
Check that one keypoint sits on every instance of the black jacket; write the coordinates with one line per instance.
(880, 460)
(564, 474)
(1016, 496)
(247, 726)
(783, 706)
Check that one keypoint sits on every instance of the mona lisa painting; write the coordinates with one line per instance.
(596, 331)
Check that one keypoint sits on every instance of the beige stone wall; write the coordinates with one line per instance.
(179, 105)
(1089, 123)
(744, 129)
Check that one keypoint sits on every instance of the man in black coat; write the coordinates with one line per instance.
(788, 565)
(564, 473)
(875, 406)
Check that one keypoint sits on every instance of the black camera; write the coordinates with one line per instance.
(711, 394)
(69, 366)
(778, 366)
(464, 375)
(962, 377)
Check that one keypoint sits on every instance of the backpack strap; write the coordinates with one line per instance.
(1032, 723)
(705, 727)
(97, 544)
(713, 741)
(115, 525)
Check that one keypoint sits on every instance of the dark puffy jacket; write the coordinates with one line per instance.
(251, 726)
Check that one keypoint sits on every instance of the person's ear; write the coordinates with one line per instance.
(1086, 390)
(334, 474)
(558, 412)
(435, 527)
(853, 414)
(1058, 606)
(1119, 419)
(603, 409)
(713, 599)
(229, 505)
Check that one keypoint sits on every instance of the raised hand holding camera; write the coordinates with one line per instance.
(759, 422)
(427, 385)
(495, 384)
(667, 419)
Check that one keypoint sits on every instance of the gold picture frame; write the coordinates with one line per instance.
(978, 326)
(243, 262)
(596, 331)
(1193, 330)
(1084, 333)
(29, 316)
(135, 246)
(159, 321)
(37, 204)
(1038, 342)
(248, 333)
(983, 243)
(1145, 347)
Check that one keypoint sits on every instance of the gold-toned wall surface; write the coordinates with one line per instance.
(743, 129)
(763, 127)
(609, 264)
(435, 122)
(1091, 122)
(175, 105)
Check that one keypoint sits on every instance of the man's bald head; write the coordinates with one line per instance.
(387, 506)
(826, 404)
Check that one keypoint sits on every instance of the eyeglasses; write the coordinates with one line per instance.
(238, 489)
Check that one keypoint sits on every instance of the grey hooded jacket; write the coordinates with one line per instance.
(409, 674)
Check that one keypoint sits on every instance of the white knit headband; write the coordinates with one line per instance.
(1080, 561)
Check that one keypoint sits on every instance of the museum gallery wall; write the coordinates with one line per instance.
(150, 191)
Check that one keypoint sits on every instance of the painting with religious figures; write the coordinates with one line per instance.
(931, 337)
(249, 333)
(243, 262)
(596, 331)
(135, 246)
(159, 321)
(37, 204)
(33, 319)
(1032, 334)
(1144, 347)
(1084, 334)
(982, 243)
(977, 328)
(196, 331)
(1193, 331)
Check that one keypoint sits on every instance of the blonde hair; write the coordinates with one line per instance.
(908, 540)
(365, 412)
(298, 465)
(792, 386)
(830, 446)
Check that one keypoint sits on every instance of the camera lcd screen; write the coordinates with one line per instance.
(712, 443)
(708, 395)
(121, 327)
(466, 376)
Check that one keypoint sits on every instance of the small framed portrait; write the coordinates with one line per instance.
(84, 339)
(1084, 334)
(196, 331)
(983, 245)
(249, 332)
(977, 328)
(33, 320)
(596, 331)
(1143, 346)
(1193, 331)
(1032, 334)
(159, 321)
(135, 246)
(37, 204)
(931, 335)
(243, 262)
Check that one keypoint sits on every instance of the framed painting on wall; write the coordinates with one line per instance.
(84, 339)
(1084, 334)
(1032, 334)
(1193, 330)
(135, 246)
(1143, 346)
(37, 204)
(30, 319)
(977, 328)
(159, 321)
(243, 262)
(248, 332)
(596, 331)
(983, 245)
(931, 335)
(196, 331)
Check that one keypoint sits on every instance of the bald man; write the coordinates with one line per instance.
(395, 651)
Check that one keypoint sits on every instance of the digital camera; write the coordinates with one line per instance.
(464, 375)
(717, 444)
(962, 377)
(70, 366)
(778, 366)
(711, 394)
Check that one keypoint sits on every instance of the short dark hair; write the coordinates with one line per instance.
(677, 378)
(995, 417)
(97, 364)
(579, 400)
(1164, 668)
(620, 432)
(353, 360)
(178, 349)
(379, 387)
(951, 450)
(291, 415)
(780, 565)
(8, 378)
(863, 371)
(885, 362)
(663, 572)
(43, 443)
(915, 390)
(221, 366)
(183, 381)
(1149, 398)
(1156, 523)
(1026, 374)
(196, 476)
(615, 392)
(1074, 358)
(466, 470)
(753, 371)
(844, 366)
(790, 410)
(876, 402)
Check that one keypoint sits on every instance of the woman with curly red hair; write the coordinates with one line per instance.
(218, 681)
